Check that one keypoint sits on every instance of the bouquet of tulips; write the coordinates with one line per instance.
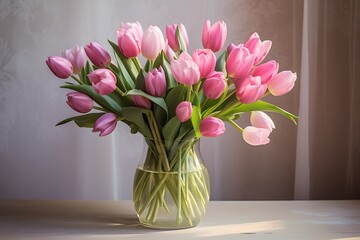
(176, 96)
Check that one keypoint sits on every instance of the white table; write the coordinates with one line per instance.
(224, 220)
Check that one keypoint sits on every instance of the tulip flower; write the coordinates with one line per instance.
(250, 90)
(184, 111)
(172, 38)
(239, 63)
(80, 102)
(152, 43)
(103, 81)
(258, 48)
(129, 39)
(60, 66)
(214, 37)
(256, 136)
(170, 54)
(205, 59)
(98, 55)
(185, 70)
(155, 82)
(282, 83)
(214, 85)
(266, 71)
(77, 56)
(261, 120)
(212, 127)
(141, 101)
(105, 124)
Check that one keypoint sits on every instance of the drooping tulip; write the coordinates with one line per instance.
(155, 82)
(261, 120)
(185, 70)
(60, 66)
(256, 136)
(259, 49)
(214, 37)
(129, 39)
(152, 42)
(212, 127)
(239, 63)
(103, 81)
(214, 85)
(105, 124)
(172, 38)
(98, 55)
(282, 83)
(205, 59)
(250, 90)
(77, 56)
(266, 71)
(184, 111)
(141, 101)
(80, 102)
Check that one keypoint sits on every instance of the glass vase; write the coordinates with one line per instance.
(171, 186)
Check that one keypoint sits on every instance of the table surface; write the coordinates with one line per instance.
(25, 219)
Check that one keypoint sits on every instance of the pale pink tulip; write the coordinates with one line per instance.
(80, 102)
(60, 66)
(214, 37)
(141, 101)
(258, 48)
(105, 124)
(184, 111)
(185, 70)
(155, 82)
(172, 38)
(256, 136)
(266, 71)
(170, 54)
(239, 63)
(261, 120)
(103, 81)
(77, 56)
(152, 42)
(214, 85)
(250, 90)
(205, 59)
(98, 55)
(282, 83)
(212, 127)
(129, 39)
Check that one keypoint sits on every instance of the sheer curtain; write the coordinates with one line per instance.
(318, 159)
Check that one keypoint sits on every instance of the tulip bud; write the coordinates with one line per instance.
(250, 90)
(170, 54)
(256, 136)
(239, 62)
(261, 120)
(105, 124)
(172, 38)
(258, 48)
(103, 81)
(60, 66)
(212, 127)
(77, 57)
(80, 102)
(141, 101)
(282, 83)
(266, 71)
(214, 85)
(205, 59)
(98, 55)
(214, 37)
(129, 39)
(155, 82)
(185, 70)
(152, 43)
(184, 111)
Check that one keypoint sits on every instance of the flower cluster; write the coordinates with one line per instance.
(175, 95)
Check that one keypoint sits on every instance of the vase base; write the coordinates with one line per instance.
(167, 225)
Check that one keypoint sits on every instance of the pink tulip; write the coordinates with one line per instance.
(141, 101)
(170, 54)
(103, 81)
(214, 85)
(250, 90)
(266, 71)
(129, 39)
(282, 83)
(261, 120)
(152, 42)
(98, 55)
(172, 38)
(185, 70)
(80, 102)
(184, 111)
(205, 59)
(231, 47)
(212, 127)
(155, 82)
(258, 48)
(256, 136)
(77, 56)
(60, 66)
(214, 37)
(105, 124)
(239, 63)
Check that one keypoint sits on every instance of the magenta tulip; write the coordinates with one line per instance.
(261, 120)
(212, 127)
(141, 101)
(282, 83)
(250, 90)
(98, 55)
(77, 56)
(170, 54)
(184, 111)
(214, 85)
(155, 82)
(60, 66)
(256, 136)
(103, 81)
(205, 59)
(266, 71)
(185, 70)
(258, 48)
(152, 43)
(172, 38)
(105, 124)
(239, 63)
(214, 37)
(129, 39)
(80, 102)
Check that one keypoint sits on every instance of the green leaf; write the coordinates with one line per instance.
(221, 63)
(181, 40)
(170, 131)
(159, 101)
(119, 77)
(87, 120)
(140, 80)
(136, 116)
(195, 120)
(174, 97)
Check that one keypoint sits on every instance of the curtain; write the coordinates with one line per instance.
(318, 159)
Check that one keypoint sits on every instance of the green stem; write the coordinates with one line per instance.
(137, 63)
(77, 79)
(210, 110)
(188, 96)
(235, 125)
(119, 91)
(99, 108)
